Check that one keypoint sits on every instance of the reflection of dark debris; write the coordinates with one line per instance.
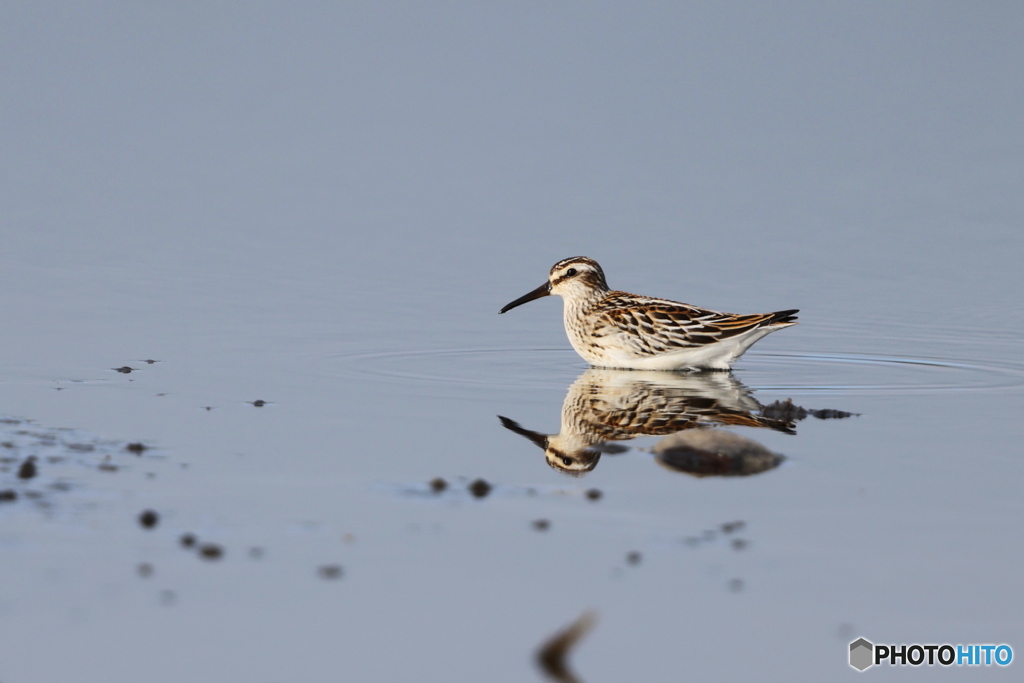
(148, 519)
(80, 447)
(553, 654)
(329, 571)
(124, 369)
(610, 448)
(60, 486)
(735, 585)
(594, 494)
(168, 598)
(137, 448)
(150, 361)
(106, 467)
(211, 551)
(691, 540)
(8, 496)
(28, 468)
(709, 534)
(256, 553)
(187, 540)
(437, 484)
(145, 570)
(541, 524)
(714, 452)
(730, 527)
(259, 403)
(786, 410)
(480, 488)
(739, 543)
(633, 558)
(207, 408)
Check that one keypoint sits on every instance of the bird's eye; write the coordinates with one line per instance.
(570, 272)
(567, 461)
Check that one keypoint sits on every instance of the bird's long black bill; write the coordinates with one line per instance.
(513, 426)
(543, 290)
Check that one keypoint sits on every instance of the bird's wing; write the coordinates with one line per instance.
(659, 325)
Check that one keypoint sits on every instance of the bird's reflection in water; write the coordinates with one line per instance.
(617, 405)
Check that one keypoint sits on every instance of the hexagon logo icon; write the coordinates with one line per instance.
(861, 652)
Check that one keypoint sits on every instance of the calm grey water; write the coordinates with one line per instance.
(325, 208)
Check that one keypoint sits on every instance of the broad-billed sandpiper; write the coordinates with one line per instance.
(620, 330)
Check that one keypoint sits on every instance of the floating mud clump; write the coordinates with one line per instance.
(28, 468)
(149, 519)
(330, 571)
(8, 496)
(715, 452)
(480, 488)
(789, 412)
(124, 369)
(138, 448)
(211, 551)
(437, 484)
(594, 494)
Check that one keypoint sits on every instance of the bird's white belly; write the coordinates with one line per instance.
(718, 355)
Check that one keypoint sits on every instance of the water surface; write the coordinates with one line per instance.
(310, 217)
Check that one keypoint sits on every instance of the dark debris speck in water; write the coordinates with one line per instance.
(634, 558)
(187, 540)
(145, 570)
(148, 519)
(330, 571)
(594, 494)
(259, 403)
(541, 524)
(735, 585)
(730, 527)
(739, 543)
(211, 551)
(480, 488)
(437, 484)
(138, 448)
(124, 369)
(28, 468)
(8, 496)
(789, 412)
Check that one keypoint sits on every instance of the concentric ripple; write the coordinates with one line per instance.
(803, 373)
